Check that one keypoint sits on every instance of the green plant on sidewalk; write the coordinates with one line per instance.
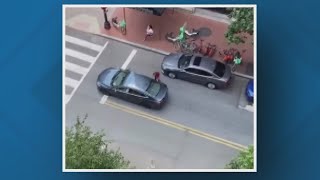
(244, 160)
(242, 23)
(88, 150)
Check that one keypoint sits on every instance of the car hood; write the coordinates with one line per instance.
(171, 61)
(106, 76)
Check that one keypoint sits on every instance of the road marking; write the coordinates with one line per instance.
(249, 108)
(70, 82)
(83, 43)
(67, 97)
(178, 126)
(80, 55)
(104, 99)
(75, 68)
(129, 59)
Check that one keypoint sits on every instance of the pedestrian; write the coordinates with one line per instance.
(149, 32)
(156, 76)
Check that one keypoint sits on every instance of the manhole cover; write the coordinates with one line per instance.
(204, 32)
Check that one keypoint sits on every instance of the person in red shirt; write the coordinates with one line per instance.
(156, 76)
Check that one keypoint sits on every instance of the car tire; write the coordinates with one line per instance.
(211, 86)
(104, 92)
(99, 90)
(172, 75)
(149, 106)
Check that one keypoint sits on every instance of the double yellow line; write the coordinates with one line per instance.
(177, 126)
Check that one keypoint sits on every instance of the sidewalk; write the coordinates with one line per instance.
(212, 30)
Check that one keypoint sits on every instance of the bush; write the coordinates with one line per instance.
(88, 150)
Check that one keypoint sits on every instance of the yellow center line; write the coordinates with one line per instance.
(177, 126)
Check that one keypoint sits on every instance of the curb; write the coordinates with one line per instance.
(154, 50)
(242, 75)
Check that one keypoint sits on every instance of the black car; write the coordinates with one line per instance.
(197, 69)
(132, 87)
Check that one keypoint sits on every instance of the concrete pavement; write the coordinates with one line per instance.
(81, 52)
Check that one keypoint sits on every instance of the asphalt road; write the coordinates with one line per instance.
(197, 128)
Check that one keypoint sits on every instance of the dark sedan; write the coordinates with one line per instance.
(197, 69)
(132, 87)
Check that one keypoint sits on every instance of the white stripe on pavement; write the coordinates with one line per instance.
(83, 43)
(67, 97)
(79, 55)
(130, 57)
(67, 64)
(75, 68)
(104, 99)
(249, 108)
(71, 82)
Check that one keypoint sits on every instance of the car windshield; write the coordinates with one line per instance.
(119, 78)
(220, 69)
(184, 61)
(153, 89)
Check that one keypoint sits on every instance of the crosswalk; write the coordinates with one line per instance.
(80, 54)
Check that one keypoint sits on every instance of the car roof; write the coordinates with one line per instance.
(203, 63)
(137, 82)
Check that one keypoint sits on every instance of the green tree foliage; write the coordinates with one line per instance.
(242, 23)
(243, 161)
(88, 150)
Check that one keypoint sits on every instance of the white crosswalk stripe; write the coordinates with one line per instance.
(67, 98)
(79, 55)
(72, 65)
(83, 43)
(75, 68)
(70, 82)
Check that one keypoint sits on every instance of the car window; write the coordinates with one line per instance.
(204, 73)
(131, 91)
(153, 89)
(184, 61)
(122, 89)
(191, 70)
(219, 69)
(119, 78)
(197, 71)
(197, 61)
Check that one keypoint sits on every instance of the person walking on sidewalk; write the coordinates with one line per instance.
(149, 32)
(236, 61)
(156, 76)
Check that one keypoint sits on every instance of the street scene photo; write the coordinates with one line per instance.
(159, 88)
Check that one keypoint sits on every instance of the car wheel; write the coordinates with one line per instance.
(104, 92)
(149, 106)
(107, 93)
(172, 75)
(211, 86)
